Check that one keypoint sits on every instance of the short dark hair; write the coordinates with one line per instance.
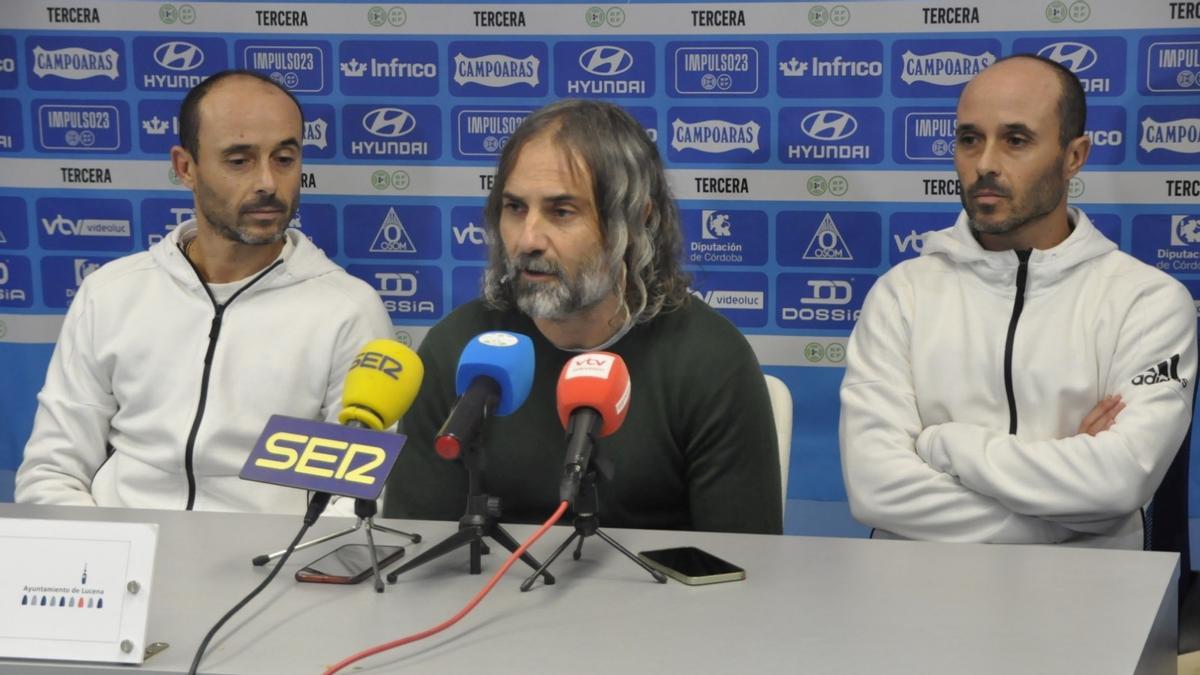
(1072, 102)
(189, 110)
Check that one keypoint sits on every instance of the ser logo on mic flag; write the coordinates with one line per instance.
(323, 457)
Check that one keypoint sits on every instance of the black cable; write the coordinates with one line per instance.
(315, 507)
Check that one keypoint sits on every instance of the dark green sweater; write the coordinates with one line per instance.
(697, 450)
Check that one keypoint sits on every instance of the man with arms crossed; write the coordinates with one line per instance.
(584, 255)
(170, 361)
(1022, 381)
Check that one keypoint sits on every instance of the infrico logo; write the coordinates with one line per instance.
(829, 125)
(1076, 56)
(179, 56)
(389, 122)
(605, 60)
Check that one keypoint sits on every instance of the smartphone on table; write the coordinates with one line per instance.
(692, 566)
(349, 564)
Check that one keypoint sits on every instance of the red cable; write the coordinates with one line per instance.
(562, 508)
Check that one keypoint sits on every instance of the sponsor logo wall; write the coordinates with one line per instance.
(807, 161)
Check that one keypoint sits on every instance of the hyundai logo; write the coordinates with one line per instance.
(606, 60)
(829, 125)
(1077, 57)
(389, 122)
(178, 56)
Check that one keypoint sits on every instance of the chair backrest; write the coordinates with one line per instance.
(1166, 518)
(781, 410)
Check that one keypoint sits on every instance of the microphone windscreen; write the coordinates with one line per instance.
(597, 380)
(505, 357)
(382, 383)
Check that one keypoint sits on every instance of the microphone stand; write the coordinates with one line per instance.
(478, 522)
(587, 523)
(365, 509)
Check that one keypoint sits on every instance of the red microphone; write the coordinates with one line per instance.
(593, 399)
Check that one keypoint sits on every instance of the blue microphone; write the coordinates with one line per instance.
(495, 373)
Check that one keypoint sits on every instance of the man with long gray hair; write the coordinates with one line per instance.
(584, 247)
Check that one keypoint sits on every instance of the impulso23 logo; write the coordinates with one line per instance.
(722, 70)
(1169, 64)
(301, 66)
(81, 126)
(482, 132)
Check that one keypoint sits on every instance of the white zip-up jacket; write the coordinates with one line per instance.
(150, 402)
(927, 445)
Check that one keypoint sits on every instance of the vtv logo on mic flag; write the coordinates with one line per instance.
(323, 457)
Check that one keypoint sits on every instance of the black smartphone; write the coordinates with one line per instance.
(349, 564)
(692, 566)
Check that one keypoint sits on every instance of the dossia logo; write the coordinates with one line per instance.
(498, 68)
(719, 134)
(301, 67)
(831, 135)
(176, 63)
(373, 68)
(76, 63)
(1098, 62)
(16, 282)
(410, 132)
(93, 126)
(705, 69)
(1171, 66)
(610, 69)
(939, 67)
(1168, 134)
(928, 135)
(482, 132)
(820, 301)
(830, 69)
(407, 291)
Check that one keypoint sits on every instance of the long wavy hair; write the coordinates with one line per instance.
(639, 222)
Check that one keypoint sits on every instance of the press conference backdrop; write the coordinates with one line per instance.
(810, 145)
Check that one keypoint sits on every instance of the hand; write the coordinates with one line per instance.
(1102, 417)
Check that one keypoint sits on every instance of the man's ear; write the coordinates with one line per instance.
(1076, 156)
(184, 165)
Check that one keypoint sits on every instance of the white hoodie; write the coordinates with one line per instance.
(124, 393)
(925, 419)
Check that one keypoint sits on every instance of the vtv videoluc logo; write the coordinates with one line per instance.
(740, 296)
(71, 224)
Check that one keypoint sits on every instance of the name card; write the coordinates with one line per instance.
(75, 590)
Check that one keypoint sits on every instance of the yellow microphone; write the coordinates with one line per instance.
(381, 386)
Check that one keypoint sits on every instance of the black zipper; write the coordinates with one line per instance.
(214, 331)
(1018, 305)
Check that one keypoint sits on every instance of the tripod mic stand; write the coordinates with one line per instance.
(586, 524)
(478, 522)
(365, 509)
